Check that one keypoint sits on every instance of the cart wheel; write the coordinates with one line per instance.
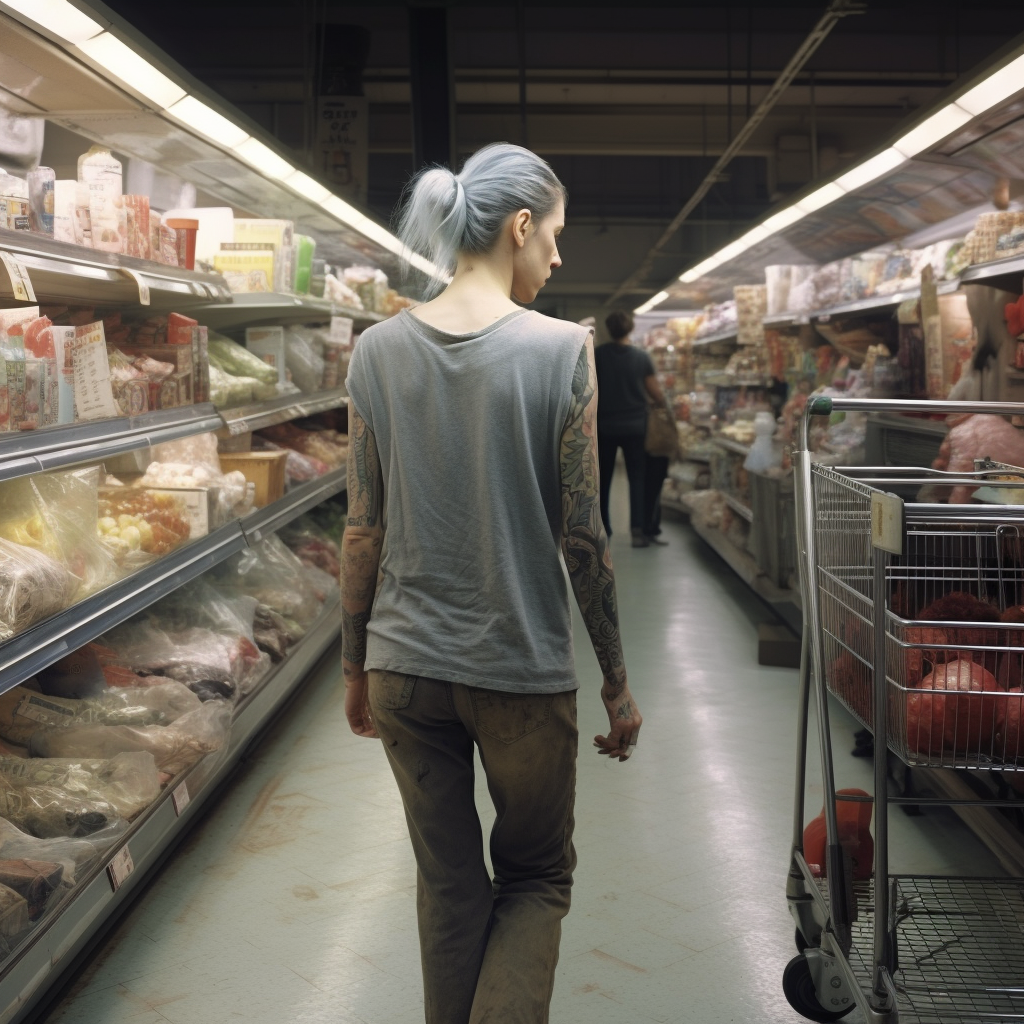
(799, 990)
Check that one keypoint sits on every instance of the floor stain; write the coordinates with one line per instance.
(608, 958)
(305, 892)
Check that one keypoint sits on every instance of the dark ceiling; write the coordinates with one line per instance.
(631, 105)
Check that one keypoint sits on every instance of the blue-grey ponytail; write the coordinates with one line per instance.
(444, 214)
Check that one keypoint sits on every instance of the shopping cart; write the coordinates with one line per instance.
(938, 693)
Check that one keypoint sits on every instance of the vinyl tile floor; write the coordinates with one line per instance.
(293, 900)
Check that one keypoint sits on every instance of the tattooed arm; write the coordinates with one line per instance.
(588, 560)
(360, 559)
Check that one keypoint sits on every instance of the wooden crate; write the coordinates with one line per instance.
(264, 469)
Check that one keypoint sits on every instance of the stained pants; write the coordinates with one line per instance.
(489, 947)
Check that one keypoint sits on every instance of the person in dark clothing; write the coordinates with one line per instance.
(625, 379)
(655, 472)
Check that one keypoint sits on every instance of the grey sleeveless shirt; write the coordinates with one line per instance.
(468, 426)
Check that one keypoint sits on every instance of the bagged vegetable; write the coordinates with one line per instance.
(311, 545)
(238, 361)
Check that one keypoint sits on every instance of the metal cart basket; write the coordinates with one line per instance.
(893, 590)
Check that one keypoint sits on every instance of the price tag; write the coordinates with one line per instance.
(237, 427)
(20, 281)
(120, 868)
(180, 798)
(140, 282)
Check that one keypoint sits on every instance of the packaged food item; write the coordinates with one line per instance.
(101, 171)
(108, 220)
(33, 586)
(175, 747)
(14, 205)
(232, 358)
(83, 221)
(63, 341)
(138, 521)
(167, 245)
(304, 359)
(246, 269)
(268, 344)
(305, 250)
(337, 291)
(12, 359)
(275, 237)
(34, 881)
(40, 200)
(138, 227)
(185, 230)
(64, 210)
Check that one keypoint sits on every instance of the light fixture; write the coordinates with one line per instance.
(264, 159)
(59, 17)
(307, 187)
(782, 219)
(869, 170)
(820, 197)
(942, 123)
(205, 120)
(999, 86)
(653, 301)
(756, 234)
(123, 63)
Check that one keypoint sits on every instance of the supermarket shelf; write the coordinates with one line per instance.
(786, 603)
(731, 446)
(279, 410)
(55, 946)
(266, 307)
(1012, 267)
(62, 272)
(29, 652)
(36, 451)
(868, 305)
(710, 339)
(299, 499)
(738, 507)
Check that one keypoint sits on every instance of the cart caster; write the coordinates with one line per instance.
(798, 987)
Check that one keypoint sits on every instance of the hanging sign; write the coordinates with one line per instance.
(343, 144)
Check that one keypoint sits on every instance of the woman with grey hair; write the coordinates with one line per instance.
(472, 466)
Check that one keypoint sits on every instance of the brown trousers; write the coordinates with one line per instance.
(488, 947)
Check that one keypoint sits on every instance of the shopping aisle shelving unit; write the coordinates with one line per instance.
(53, 947)
(264, 308)
(246, 418)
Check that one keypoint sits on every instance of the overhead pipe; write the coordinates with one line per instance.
(836, 10)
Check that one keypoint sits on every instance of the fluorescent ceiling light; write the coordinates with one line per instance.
(208, 122)
(731, 250)
(782, 219)
(822, 197)
(264, 159)
(306, 186)
(871, 169)
(58, 17)
(123, 63)
(999, 86)
(756, 234)
(653, 301)
(942, 123)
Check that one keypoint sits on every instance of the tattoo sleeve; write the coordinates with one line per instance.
(584, 542)
(361, 546)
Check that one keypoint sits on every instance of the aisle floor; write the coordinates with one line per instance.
(293, 899)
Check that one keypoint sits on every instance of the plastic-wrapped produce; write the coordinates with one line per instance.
(33, 586)
(56, 513)
(230, 357)
(175, 747)
(49, 811)
(24, 712)
(35, 881)
(298, 468)
(311, 545)
(227, 391)
(304, 359)
(128, 782)
(275, 577)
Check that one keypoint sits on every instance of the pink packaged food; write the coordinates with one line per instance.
(138, 226)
